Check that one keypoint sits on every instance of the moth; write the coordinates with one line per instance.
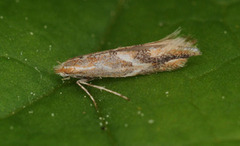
(167, 54)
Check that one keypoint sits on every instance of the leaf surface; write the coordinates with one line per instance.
(198, 104)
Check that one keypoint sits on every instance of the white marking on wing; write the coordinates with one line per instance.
(85, 68)
(133, 73)
(125, 57)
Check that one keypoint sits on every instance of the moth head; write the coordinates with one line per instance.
(62, 70)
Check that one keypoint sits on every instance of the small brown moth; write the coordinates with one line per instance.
(166, 54)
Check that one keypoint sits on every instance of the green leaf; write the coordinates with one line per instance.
(196, 105)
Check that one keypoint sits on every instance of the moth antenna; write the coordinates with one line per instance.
(102, 88)
(91, 97)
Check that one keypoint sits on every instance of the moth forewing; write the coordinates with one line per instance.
(166, 54)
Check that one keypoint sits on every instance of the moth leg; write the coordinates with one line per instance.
(66, 78)
(91, 97)
(102, 88)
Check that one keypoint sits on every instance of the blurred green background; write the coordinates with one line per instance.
(196, 105)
